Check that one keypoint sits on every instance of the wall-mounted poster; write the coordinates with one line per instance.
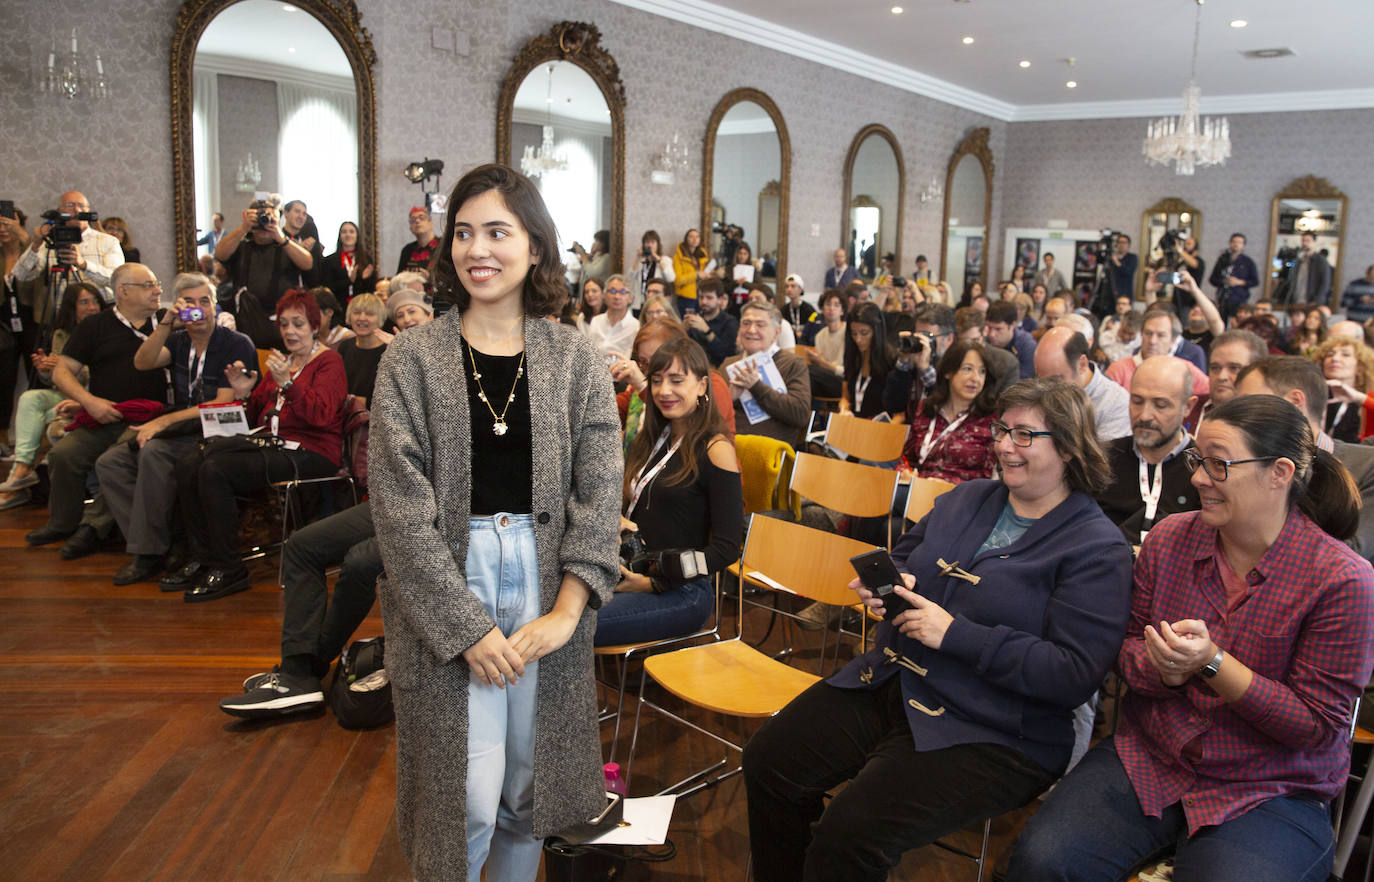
(1084, 261)
(1028, 255)
(973, 257)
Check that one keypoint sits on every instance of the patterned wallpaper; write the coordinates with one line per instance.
(1092, 174)
(248, 123)
(436, 103)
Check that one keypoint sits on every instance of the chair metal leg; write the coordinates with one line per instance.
(1348, 826)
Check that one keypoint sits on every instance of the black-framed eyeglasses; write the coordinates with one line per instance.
(1217, 469)
(1020, 435)
(146, 286)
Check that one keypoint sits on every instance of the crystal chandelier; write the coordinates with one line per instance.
(672, 160)
(1189, 140)
(67, 75)
(249, 175)
(533, 164)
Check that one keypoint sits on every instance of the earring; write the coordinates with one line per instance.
(702, 400)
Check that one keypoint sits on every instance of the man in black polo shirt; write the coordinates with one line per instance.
(299, 228)
(136, 478)
(105, 343)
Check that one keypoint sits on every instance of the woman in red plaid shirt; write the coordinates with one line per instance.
(1251, 635)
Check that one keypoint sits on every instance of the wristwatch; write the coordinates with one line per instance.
(1209, 670)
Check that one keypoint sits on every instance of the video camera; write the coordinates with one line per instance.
(673, 565)
(59, 234)
(1106, 244)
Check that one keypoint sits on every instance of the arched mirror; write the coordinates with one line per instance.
(1164, 229)
(874, 201)
(968, 206)
(561, 121)
(746, 174)
(1308, 205)
(253, 81)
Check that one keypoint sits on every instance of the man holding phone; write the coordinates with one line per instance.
(93, 259)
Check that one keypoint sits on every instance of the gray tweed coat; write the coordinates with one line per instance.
(420, 479)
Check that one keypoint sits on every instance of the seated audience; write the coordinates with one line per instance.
(1150, 479)
(1002, 331)
(1300, 382)
(362, 352)
(951, 435)
(825, 354)
(963, 708)
(1309, 333)
(760, 407)
(1055, 309)
(349, 271)
(971, 325)
(613, 331)
(1347, 329)
(868, 359)
(1266, 327)
(119, 395)
(1349, 370)
(1023, 308)
(682, 491)
(710, 325)
(409, 308)
(136, 478)
(1159, 335)
(658, 306)
(1251, 635)
(591, 304)
(301, 402)
(38, 405)
(761, 293)
(333, 329)
(1358, 298)
(1231, 352)
(1039, 295)
(1062, 354)
(630, 371)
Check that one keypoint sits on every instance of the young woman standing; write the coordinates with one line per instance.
(495, 556)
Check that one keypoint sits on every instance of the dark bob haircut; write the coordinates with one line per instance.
(544, 283)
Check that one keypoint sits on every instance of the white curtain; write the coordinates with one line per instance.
(205, 149)
(573, 195)
(317, 156)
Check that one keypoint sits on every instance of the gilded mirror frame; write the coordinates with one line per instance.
(344, 22)
(1308, 187)
(1168, 206)
(708, 164)
(578, 43)
(975, 145)
(845, 204)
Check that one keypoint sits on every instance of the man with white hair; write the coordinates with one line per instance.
(92, 259)
(1346, 330)
(136, 479)
(781, 413)
(1063, 354)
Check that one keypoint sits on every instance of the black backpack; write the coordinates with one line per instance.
(361, 693)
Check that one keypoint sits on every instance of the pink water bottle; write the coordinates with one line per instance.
(614, 783)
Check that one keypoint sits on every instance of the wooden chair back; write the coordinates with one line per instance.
(920, 499)
(802, 560)
(866, 439)
(850, 488)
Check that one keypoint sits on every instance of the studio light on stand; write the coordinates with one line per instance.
(1188, 140)
(420, 173)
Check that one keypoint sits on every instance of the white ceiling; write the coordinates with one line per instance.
(1131, 56)
(268, 31)
(575, 94)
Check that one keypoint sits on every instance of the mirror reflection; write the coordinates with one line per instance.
(1306, 248)
(873, 221)
(745, 184)
(271, 85)
(966, 226)
(1170, 231)
(561, 136)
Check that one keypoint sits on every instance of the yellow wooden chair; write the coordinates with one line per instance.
(731, 677)
(869, 440)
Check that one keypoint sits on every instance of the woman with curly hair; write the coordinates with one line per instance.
(1349, 370)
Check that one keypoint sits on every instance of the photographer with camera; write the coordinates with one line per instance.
(683, 504)
(596, 264)
(262, 258)
(1233, 277)
(65, 248)
(136, 478)
(653, 264)
(1123, 265)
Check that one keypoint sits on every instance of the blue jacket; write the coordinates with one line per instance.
(1023, 347)
(1029, 643)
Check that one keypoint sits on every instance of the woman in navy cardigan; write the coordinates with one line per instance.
(1019, 592)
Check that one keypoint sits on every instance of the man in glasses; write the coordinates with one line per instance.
(614, 330)
(1149, 477)
(93, 259)
(1300, 382)
(103, 411)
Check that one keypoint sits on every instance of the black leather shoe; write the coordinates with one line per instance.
(182, 577)
(217, 583)
(46, 536)
(141, 569)
(83, 542)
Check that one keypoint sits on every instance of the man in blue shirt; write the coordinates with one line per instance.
(1002, 329)
(841, 273)
(136, 478)
(1234, 275)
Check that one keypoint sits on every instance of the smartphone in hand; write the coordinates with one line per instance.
(879, 574)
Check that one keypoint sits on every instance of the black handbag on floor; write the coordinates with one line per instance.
(361, 692)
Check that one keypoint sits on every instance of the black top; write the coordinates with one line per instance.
(415, 256)
(501, 464)
(1121, 500)
(264, 270)
(1342, 421)
(707, 514)
(225, 348)
(334, 277)
(360, 367)
(102, 343)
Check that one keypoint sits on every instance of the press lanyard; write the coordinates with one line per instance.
(1150, 494)
(166, 374)
(281, 393)
(130, 325)
(643, 480)
(1336, 420)
(194, 370)
(929, 444)
(860, 387)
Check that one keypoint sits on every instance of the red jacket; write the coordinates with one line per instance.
(313, 412)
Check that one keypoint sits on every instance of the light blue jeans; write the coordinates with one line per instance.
(503, 572)
(37, 408)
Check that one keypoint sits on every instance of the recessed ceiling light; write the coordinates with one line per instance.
(1071, 84)
(291, 49)
(968, 41)
(897, 10)
(1025, 63)
(1239, 22)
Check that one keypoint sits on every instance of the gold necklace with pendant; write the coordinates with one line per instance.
(499, 427)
